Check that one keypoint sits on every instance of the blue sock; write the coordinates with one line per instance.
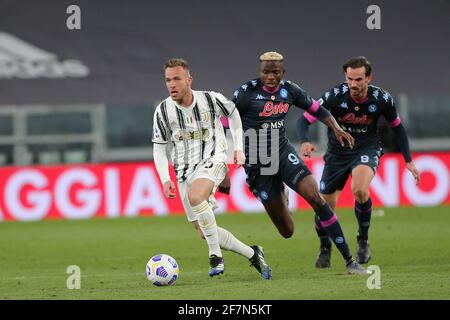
(363, 212)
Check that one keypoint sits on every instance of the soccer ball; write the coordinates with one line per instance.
(162, 270)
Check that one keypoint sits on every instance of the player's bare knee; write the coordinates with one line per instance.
(195, 199)
(360, 195)
(287, 232)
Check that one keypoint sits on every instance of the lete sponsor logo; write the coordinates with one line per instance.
(270, 108)
(23, 60)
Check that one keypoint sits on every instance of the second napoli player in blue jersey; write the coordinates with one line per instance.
(357, 106)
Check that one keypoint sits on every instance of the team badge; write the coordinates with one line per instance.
(372, 108)
(283, 93)
(339, 240)
(264, 195)
(322, 185)
(205, 116)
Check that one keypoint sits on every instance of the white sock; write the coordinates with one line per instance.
(207, 222)
(229, 242)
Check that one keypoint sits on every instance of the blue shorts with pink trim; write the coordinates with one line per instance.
(338, 167)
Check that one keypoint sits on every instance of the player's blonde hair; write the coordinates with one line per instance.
(176, 62)
(271, 56)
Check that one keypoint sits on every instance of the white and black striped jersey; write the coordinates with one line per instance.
(193, 133)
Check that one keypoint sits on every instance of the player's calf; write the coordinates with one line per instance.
(280, 216)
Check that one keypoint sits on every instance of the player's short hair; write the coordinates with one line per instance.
(358, 62)
(271, 56)
(176, 62)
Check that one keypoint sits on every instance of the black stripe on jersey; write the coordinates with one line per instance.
(166, 121)
(223, 108)
(161, 127)
(185, 154)
(200, 128)
(165, 117)
(213, 121)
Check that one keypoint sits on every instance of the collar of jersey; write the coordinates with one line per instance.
(271, 92)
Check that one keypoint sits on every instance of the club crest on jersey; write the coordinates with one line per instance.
(372, 108)
(283, 93)
(205, 116)
(270, 108)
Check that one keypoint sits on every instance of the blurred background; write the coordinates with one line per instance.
(77, 96)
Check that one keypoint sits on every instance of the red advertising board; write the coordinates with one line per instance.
(133, 189)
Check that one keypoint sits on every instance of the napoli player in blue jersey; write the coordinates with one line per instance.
(357, 107)
(272, 162)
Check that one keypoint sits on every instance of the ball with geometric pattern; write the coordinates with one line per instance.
(162, 270)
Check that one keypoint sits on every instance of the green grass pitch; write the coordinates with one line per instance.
(410, 245)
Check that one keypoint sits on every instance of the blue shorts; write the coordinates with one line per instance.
(338, 167)
(291, 170)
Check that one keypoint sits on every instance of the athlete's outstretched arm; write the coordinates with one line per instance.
(237, 133)
(316, 111)
(341, 135)
(162, 167)
(402, 141)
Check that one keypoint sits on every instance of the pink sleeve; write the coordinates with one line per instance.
(314, 106)
(311, 119)
(396, 122)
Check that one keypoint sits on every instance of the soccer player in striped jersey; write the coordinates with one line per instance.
(188, 122)
(357, 107)
(272, 161)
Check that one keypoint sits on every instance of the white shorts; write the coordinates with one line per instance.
(214, 171)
